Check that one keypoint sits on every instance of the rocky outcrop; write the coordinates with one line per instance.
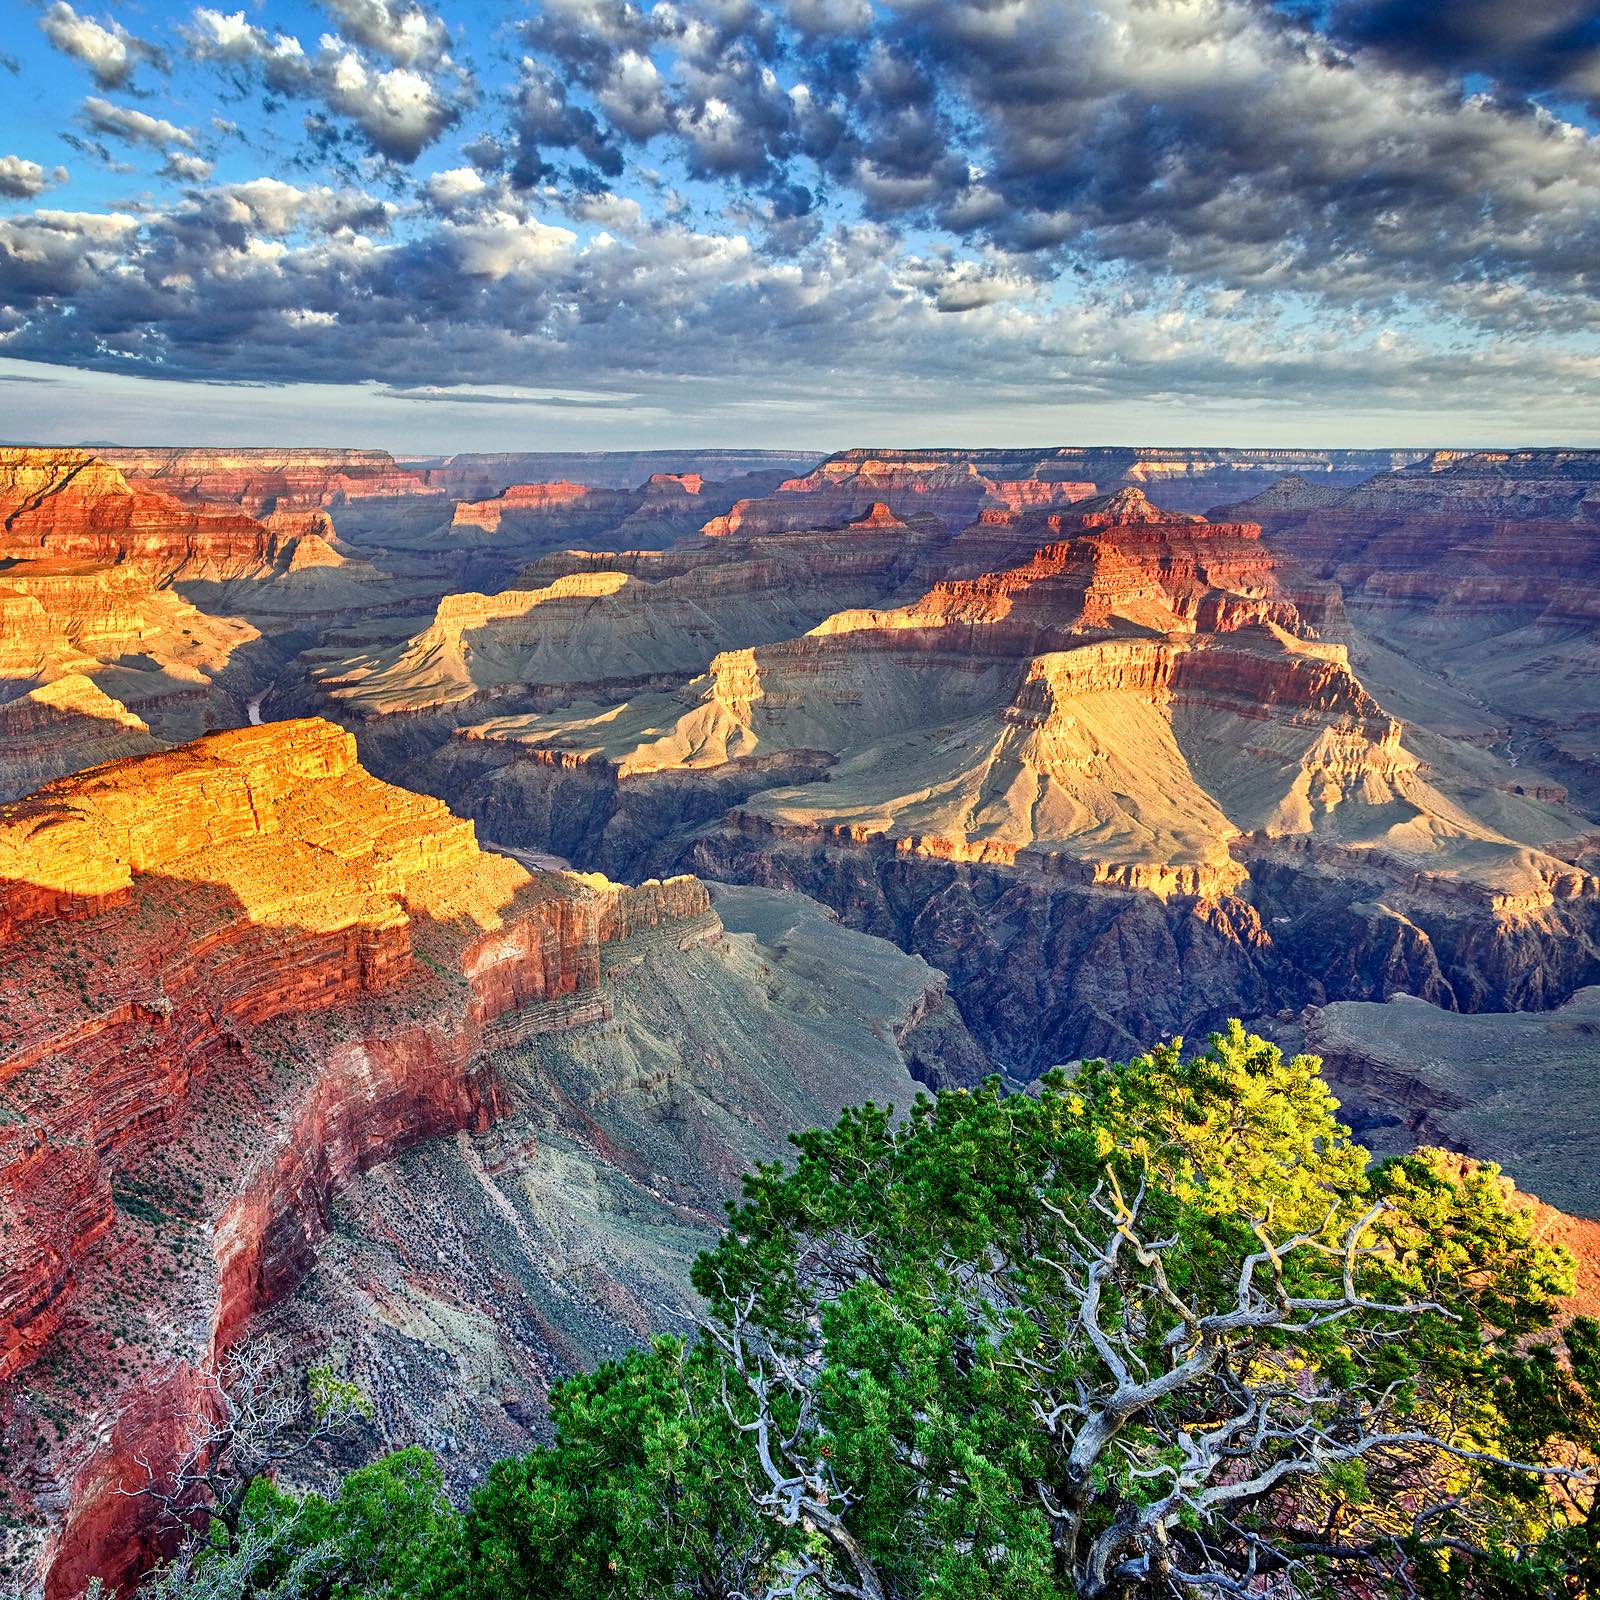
(517, 500)
(156, 654)
(237, 974)
(1479, 570)
(65, 726)
(846, 488)
(1513, 1087)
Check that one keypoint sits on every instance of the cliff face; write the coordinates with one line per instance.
(232, 976)
(844, 488)
(1188, 479)
(1483, 570)
(460, 1282)
(582, 622)
(65, 726)
(1514, 1087)
(71, 506)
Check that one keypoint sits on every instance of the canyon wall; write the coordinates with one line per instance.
(234, 975)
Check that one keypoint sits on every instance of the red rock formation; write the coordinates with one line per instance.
(272, 480)
(877, 516)
(70, 506)
(1483, 568)
(246, 961)
(842, 490)
(674, 484)
(1092, 699)
(520, 498)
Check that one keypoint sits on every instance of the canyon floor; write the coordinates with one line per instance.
(426, 886)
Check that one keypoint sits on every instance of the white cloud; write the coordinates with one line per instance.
(110, 53)
(456, 187)
(24, 180)
(405, 34)
(134, 127)
(401, 110)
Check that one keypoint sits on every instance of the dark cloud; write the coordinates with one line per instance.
(1039, 199)
(1218, 142)
(1543, 46)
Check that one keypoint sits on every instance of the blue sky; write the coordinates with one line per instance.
(592, 223)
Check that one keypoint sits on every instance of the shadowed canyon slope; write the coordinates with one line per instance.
(240, 973)
(1107, 764)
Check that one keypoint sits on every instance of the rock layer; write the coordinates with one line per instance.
(1480, 570)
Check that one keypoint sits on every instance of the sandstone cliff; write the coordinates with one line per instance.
(72, 506)
(271, 480)
(1477, 572)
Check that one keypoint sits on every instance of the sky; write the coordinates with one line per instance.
(800, 223)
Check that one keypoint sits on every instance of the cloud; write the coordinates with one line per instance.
(1553, 45)
(399, 110)
(182, 168)
(26, 180)
(406, 34)
(274, 282)
(1030, 200)
(134, 127)
(1216, 143)
(455, 188)
(110, 53)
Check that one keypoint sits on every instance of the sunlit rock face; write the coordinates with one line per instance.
(1108, 764)
(1188, 480)
(72, 506)
(476, 475)
(170, 605)
(251, 955)
(238, 974)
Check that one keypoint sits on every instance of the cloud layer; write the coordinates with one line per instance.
(1362, 203)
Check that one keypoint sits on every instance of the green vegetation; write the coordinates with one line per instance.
(1158, 1331)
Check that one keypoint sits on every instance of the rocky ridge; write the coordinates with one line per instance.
(1478, 572)
(247, 966)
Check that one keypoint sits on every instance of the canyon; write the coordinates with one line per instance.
(1062, 746)
(427, 884)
